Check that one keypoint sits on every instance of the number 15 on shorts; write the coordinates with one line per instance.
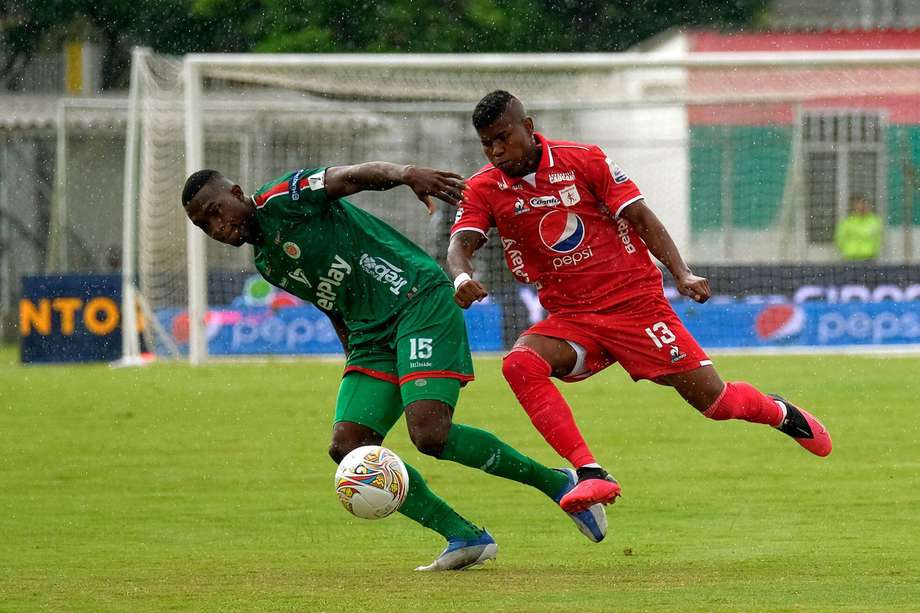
(419, 348)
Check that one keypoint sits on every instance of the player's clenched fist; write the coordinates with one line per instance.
(694, 287)
(468, 291)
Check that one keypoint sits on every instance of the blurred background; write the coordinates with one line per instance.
(792, 185)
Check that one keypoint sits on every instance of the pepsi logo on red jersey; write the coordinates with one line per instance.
(562, 231)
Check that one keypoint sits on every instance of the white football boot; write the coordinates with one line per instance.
(464, 553)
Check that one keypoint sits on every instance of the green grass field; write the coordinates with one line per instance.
(169, 487)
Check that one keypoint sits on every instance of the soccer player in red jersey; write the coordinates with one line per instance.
(576, 227)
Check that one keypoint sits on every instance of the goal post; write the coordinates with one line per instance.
(194, 160)
(130, 342)
(749, 158)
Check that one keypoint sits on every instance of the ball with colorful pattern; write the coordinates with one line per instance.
(371, 482)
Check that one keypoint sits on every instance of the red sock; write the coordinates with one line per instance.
(528, 375)
(740, 400)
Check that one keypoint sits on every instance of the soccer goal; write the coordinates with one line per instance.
(750, 159)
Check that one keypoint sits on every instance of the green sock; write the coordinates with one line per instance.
(424, 506)
(483, 450)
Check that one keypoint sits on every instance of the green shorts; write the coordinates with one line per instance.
(426, 356)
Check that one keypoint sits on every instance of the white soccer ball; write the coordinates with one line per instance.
(371, 482)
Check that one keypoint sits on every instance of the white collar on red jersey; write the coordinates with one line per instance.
(546, 160)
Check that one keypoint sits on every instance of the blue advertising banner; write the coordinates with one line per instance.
(70, 318)
(300, 329)
(809, 324)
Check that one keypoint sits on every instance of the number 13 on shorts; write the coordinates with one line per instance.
(420, 348)
(660, 334)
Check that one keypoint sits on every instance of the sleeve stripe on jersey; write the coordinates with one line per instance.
(274, 190)
(469, 228)
(626, 204)
(278, 190)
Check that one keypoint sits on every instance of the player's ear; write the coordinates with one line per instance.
(528, 125)
(237, 192)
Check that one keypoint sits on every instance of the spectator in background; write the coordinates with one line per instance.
(859, 236)
(113, 258)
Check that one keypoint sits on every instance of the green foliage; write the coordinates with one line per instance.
(169, 26)
(409, 26)
(465, 26)
(209, 489)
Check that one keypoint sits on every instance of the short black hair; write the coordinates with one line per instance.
(195, 182)
(490, 108)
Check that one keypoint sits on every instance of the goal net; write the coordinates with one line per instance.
(751, 160)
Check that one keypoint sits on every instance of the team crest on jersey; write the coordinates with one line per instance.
(559, 177)
(562, 231)
(291, 250)
(520, 207)
(570, 195)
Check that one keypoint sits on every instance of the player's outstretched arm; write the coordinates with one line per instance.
(343, 181)
(659, 242)
(460, 252)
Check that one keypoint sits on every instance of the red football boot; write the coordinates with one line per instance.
(804, 428)
(594, 486)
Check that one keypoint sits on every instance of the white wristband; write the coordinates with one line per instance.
(461, 279)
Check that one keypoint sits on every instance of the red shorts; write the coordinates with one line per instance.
(644, 335)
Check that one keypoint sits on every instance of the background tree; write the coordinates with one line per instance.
(410, 26)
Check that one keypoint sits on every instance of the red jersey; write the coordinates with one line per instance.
(561, 228)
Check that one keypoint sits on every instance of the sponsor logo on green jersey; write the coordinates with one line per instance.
(383, 271)
(326, 287)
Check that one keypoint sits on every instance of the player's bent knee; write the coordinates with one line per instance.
(339, 448)
(348, 436)
(337, 451)
(512, 366)
(523, 364)
(429, 443)
(429, 422)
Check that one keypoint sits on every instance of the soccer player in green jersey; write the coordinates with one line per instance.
(393, 308)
